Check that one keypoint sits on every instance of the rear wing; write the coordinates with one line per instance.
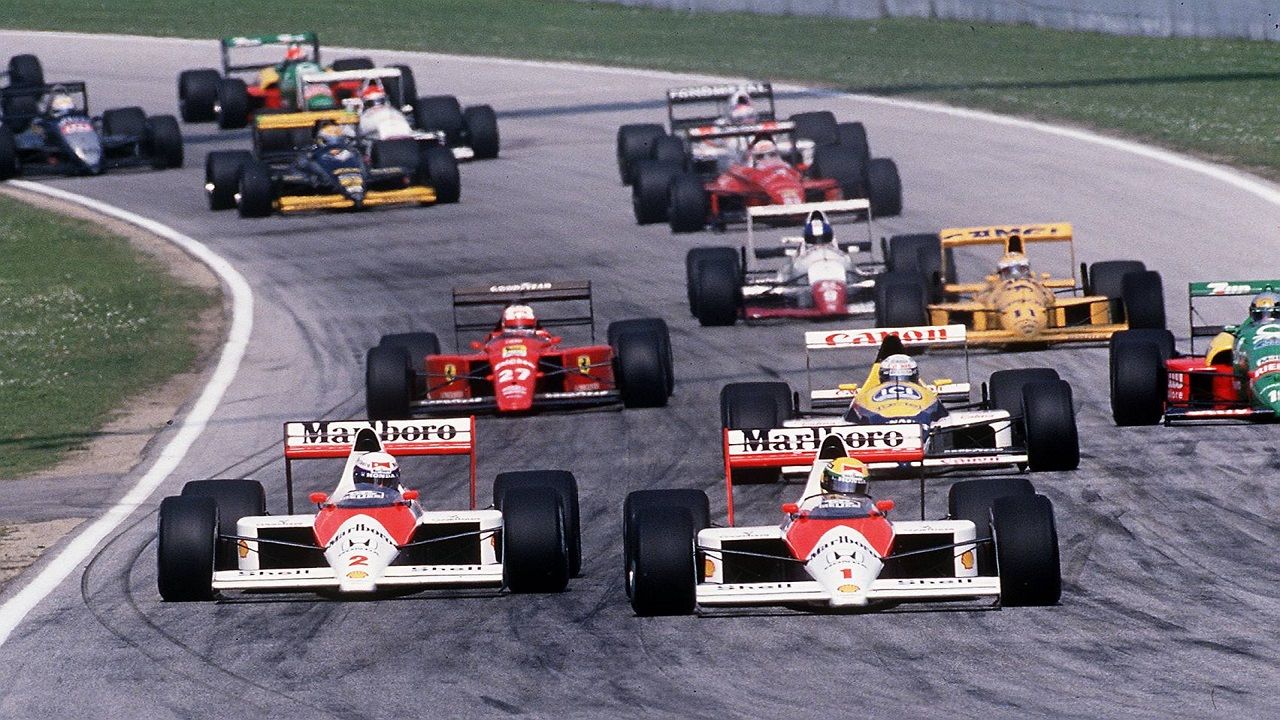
(317, 439)
(364, 77)
(1219, 289)
(75, 88)
(705, 104)
(308, 119)
(791, 447)
(522, 294)
(247, 41)
(719, 132)
(1012, 238)
(852, 210)
(921, 336)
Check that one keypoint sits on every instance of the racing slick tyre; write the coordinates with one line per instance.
(535, 542)
(655, 326)
(633, 143)
(717, 289)
(25, 71)
(639, 358)
(15, 107)
(884, 188)
(819, 126)
(688, 204)
(565, 487)
(921, 253)
(388, 382)
(694, 501)
(662, 567)
(1053, 442)
(401, 153)
(163, 142)
(845, 167)
(1139, 378)
(1026, 545)
(651, 190)
(669, 149)
(256, 192)
(1107, 279)
(971, 500)
(853, 135)
(282, 139)
(232, 108)
(8, 154)
(197, 94)
(222, 176)
(441, 169)
(900, 300)
(1143, 296)
(124, 121)
(1004, 388)
(441, 112)
(404, 89)
(187, 539)
(753, 405)
(693, 261)
(482, 131)
(419, 345)
(353, 63)
(236, 498)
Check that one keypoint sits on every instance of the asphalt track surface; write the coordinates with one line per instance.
(1168, 535)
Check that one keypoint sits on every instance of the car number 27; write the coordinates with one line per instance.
(519, 374)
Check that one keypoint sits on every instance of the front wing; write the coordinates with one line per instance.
(312, 578)
(541, 401)
(810, 591)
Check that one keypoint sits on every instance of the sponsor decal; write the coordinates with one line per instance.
(1267, 367)
(514, 351)
(714, 91)
(966, 559)
(520, 287)
(75, 126)
(810, 439)
(584, 364)
(450, 372)
(848, 588)
(242, 548)
(513, 391)
(1226, 288)
(1265, 342)
(708, 567)
(874, 336)
(1002, 232)
(364, 495)
(324, 432)
(357, 575)
(896, 391)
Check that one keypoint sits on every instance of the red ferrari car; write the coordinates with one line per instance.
(520, 365)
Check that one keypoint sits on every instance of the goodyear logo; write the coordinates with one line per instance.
(520, 287)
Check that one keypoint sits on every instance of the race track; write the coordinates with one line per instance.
(1168, 535)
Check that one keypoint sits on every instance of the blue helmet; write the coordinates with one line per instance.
(817, 231)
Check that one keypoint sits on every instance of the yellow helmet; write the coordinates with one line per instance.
(845, 475)
(1266, 306)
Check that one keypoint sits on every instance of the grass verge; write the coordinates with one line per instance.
(1213, 97)
(85, 322)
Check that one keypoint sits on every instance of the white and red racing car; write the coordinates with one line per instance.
(370, 539)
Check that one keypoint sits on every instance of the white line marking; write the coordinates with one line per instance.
(79, 549)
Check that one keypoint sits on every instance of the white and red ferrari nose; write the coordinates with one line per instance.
(845, 564)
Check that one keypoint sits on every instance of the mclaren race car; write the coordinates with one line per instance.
(837, 548)
(818, 278)
(727, 151)
(519, 365)
(1014, 305)
(371, 536)
(320, 161)
(48, 128)
(1236, 378)
(1024, 418)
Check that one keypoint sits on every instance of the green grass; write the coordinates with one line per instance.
(1214, 97)
(85, 322)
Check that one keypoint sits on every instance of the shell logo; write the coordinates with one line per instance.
(966, 559)
(848, 588)
(242, 548)
(708, 567)
(357, 575)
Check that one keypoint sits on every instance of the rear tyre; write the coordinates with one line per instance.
(185, 553)
(688, 198)
(633, 144)
(854, 137)
(640, 367)
(971, 500)
(222, 176)
(257, 195)
(884, 188)
(650, 192)
(1026, 540)
(693, 501)
(669, 149)
(1143, 295)
(1139, 380)
(654, 326)
(124, 121)
(535, 543)
(388, 382)
(403, 90)
(662, 568)
(565, 487)
(353, 63)
(418, 344)
(693, 262)
(1004, 388)
(25, 71)
(441, 169)
(755, 405)
(441, 112)
(8, 154)
(819, 126)
(482, 131)
(900, 300)
(232, 109)
(717, 288)
(164, 142)
(844, 166)
(1052, 440)
(235, 498)
(197, 94)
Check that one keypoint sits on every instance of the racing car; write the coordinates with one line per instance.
(730, 152)
(49, 128)
(1023, 419)
(819, 278)
(837, 548)
(1013, 305)
(372, 536)
(520, 366)
(1236, 378)
(317, 160)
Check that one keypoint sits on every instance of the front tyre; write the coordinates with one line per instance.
(187, 542)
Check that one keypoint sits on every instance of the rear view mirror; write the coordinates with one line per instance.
(319, 498)
(409, 494)
(884, 506)
(790, 508)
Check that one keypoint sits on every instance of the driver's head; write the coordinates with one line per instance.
(765, 153)
(373, 96)
(741, 111)
(1013, 266)
(294, 53)
(377, 468)
(333, 134)
(817, 231)
(899, 369)
(1265, 307)
(519, 317)
(61, 104)
(845, 475)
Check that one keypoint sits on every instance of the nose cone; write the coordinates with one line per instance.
(1266, 386)
(844, 563)
(1024, 319)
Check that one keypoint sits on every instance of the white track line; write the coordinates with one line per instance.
(78, 550)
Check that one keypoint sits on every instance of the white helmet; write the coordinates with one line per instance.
(899, 368)
(60, 104)
(765, 152)
(741, 111)
(519, 317)
(377, 468)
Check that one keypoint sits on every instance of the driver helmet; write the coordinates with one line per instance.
(377, 468)
(333, 134)
(318, 96)
(60, 104)
(845, 475)
(1266, 306)
(899, 369)
(294, 53)
(373, 96)
(817, 231)
(741, 111)
(764, 153)
(519, 317)
(1013, 266)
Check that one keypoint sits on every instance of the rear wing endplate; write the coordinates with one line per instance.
(525, 293)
